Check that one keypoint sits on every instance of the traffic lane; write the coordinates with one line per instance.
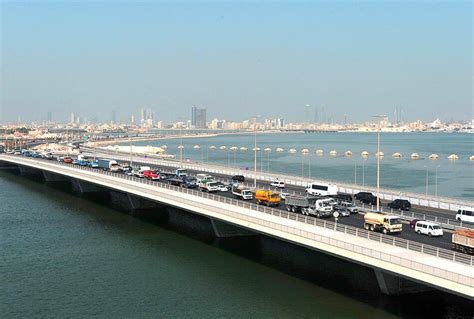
(300, 190)
(357, 220)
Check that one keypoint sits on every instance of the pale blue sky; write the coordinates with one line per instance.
(236, 59)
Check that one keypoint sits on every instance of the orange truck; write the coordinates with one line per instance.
(463, 241)
(267, 197)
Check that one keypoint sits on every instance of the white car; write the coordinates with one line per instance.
(222, 187)
(465, 215)
(284, 194)
(428, 228)
(139, 173)
(279, 184)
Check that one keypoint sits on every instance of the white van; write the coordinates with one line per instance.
(321, 189)
(465, 215)
(428, 228)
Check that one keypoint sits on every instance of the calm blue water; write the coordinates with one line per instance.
(65, 257)
(454, 178)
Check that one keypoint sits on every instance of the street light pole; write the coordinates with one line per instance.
(436, 181)
(426, 189)
(255, 153)
(378, 169)
(363, 172)
(378, 161)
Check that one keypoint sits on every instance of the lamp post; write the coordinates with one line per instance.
(355, 172)
(378, 161)
(181, 148)
(268, 150)
(436, 180)
(426, 187)
(363, 171)
(255, 152)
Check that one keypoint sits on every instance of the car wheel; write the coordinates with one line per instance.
(429, 234)
(372, 228)
(418, 232)
(384, 231)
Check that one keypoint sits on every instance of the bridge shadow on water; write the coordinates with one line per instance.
(346, 278)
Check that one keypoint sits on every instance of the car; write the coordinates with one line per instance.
(222, 187)
(165, 176)
(284, 194)
(343, 211)
(138, 173)
(67, 160)
(151, 175)
(366, 198)
(343, 197)
(401, 204)
(465, 215)
(16, 152)
(360, 195)
(428, 228)
(278, 184)
(349, 206)
(238, 178)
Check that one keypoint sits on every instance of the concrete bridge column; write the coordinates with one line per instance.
(79, 186)
(393, 285)
(25, 170)
(51, 177)
(131, 203)
(223, 230)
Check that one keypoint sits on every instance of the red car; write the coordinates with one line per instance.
(151, 175)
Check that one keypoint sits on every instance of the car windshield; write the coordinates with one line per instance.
(395, 221)
(436, 227)
(275, 195)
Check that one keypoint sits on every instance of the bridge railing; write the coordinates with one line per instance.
(385, 193)
(311, 235)
(379, 237)
(308, 234)
(444, 222)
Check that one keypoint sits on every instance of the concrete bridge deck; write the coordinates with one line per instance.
(387, 259)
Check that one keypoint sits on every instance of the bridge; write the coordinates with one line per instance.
(399, 265)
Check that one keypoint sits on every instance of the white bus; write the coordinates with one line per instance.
(321, 189)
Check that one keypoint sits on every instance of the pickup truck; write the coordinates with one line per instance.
(242, 193)
(209, 187)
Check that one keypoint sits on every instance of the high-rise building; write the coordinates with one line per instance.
(200, 117)
(73, 118)
(114, 117)
(49, 116)
(193, 115)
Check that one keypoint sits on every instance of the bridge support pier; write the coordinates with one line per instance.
(224, 230)
(393, 285)
(130, 203)
(51, 177)
(79, 186)
(28, 171)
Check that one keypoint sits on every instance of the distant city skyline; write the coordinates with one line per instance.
(306, 62)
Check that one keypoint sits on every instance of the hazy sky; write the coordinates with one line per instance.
(236, 59)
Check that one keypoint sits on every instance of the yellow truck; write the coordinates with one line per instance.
(267, 197)
(382, 222)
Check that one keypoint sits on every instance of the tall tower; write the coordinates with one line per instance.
(193, 115)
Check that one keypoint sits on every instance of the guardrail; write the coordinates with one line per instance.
(394, 241)
(409, 216)
(356, 248)
(385, 194)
